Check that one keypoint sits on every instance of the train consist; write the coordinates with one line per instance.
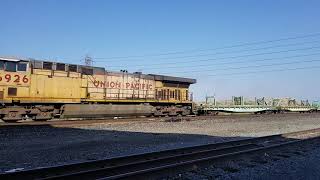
(257, 106)
(42, 90)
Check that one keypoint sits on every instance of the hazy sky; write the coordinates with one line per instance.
(196, 39)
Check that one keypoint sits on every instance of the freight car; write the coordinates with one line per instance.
(42, 90)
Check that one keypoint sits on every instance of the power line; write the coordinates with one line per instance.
(255, 66)
(246, 61)
(274, 70)
(210, 49)
(223, 58)
(228, 52)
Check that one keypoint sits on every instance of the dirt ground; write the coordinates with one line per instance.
(32, 146)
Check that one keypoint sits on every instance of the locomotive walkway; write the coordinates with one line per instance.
(166, 163)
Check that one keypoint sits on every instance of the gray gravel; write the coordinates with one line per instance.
(304, 167)
(228, 126)
(38, 146)
(303, 164)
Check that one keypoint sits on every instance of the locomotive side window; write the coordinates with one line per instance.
(36, 64)
(87, 71)
(72, 68)
(47, 65)
(1, 65)
(11, 66)
(22, 66)
(12, 91)
(61, 67)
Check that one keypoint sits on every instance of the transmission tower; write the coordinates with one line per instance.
(88, 61)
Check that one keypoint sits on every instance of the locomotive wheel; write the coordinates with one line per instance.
(43, 116)
(12, 116)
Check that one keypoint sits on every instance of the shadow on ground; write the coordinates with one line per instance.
(34, 146)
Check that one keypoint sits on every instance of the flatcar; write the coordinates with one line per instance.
(42, 90)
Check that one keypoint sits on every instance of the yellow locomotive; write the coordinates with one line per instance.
(41, 90)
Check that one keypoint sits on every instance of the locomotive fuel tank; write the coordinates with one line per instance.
(106, 110)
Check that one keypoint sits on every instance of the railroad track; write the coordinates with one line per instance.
(164, 163)
(88, 121)
(77, 122)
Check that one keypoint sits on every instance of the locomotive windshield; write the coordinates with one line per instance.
(11, 66)
(1, 65)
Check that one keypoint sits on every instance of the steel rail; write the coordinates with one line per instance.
(86, 121)
(157, 164)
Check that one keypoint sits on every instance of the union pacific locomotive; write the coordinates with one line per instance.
(42, 90)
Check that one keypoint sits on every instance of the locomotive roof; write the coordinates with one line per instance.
(11, 59)
(98, 70)
(173, 79)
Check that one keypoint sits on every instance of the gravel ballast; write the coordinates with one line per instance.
(34, 146)
(302, 167)
(298, 162)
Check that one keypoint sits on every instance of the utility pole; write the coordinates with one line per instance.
(88, 61)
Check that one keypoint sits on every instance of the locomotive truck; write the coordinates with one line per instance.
(42, 90)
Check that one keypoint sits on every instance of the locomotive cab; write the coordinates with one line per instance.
(14, 79)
